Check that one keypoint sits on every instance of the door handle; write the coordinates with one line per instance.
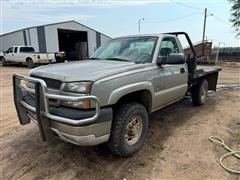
(182, 70)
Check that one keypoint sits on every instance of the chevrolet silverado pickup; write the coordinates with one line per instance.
(108, 98)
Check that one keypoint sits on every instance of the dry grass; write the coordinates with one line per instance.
(236, 137)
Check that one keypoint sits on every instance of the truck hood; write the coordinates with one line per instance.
(85, 70)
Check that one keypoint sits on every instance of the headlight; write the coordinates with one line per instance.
(78, 87)
(85, 104)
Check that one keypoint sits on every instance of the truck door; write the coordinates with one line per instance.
(21, 56)
(15, 54)
(9, 55)
(170, 81)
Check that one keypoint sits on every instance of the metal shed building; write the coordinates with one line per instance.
(76, 40)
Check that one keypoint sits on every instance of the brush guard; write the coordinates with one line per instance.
(41, 108)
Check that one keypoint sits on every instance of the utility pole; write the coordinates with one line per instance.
(204, 29)
(204, 24)
(139, 25)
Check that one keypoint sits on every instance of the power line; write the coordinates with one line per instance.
(170, 20)
(174, 19)
(124, 29)
(199, 9)
(186, 5)
(220, 20)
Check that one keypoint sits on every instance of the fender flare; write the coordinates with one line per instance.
(130, 88)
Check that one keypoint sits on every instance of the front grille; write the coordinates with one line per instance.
(51, 83)
(30, 99)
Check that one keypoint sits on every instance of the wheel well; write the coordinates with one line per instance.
(143, 97)
(2, 57)
(211, 79)
(28, 58)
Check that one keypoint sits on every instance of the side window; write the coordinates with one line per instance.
(26, 49)
(15, 50)
(10, 50)
(168, 46)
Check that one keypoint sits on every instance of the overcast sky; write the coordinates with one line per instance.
(120, 17)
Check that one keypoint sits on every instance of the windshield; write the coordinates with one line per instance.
(133, 49)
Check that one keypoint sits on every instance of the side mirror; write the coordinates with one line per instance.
(173, 58)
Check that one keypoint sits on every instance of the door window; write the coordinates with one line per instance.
(168, 46)
(10, 50)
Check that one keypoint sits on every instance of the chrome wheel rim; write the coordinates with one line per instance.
(204, 93)
(133, 130)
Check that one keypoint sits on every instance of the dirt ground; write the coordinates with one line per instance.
(177, 146)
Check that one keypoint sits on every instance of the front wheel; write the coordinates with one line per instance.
(130, 126)
(3, 61)
(199, 93)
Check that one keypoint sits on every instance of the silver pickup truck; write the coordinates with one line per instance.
(108, 98)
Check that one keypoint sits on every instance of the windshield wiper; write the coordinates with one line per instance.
(139, 62)
(116, 59)
(94, 58)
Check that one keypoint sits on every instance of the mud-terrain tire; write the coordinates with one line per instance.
(3, 61)
(199, 93)
(30, 63)
(129, 128)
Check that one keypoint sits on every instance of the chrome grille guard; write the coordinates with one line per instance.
(42, 106)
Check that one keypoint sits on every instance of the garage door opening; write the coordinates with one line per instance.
(73, 43)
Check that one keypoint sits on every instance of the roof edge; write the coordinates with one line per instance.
(23, 29)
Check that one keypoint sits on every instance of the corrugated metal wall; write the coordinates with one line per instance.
(45, 38)
(8, 40)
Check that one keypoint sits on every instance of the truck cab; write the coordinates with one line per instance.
(16, 53)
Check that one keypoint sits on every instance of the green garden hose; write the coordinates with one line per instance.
(231, 152)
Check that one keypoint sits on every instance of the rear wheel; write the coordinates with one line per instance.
(30, 63)
(199, 93)
(129, 129)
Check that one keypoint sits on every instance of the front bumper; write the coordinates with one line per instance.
(82, 127)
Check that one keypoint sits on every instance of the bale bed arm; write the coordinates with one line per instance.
(191, 61)
(196, 75)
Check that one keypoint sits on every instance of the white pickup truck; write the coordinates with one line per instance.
(25, 55)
